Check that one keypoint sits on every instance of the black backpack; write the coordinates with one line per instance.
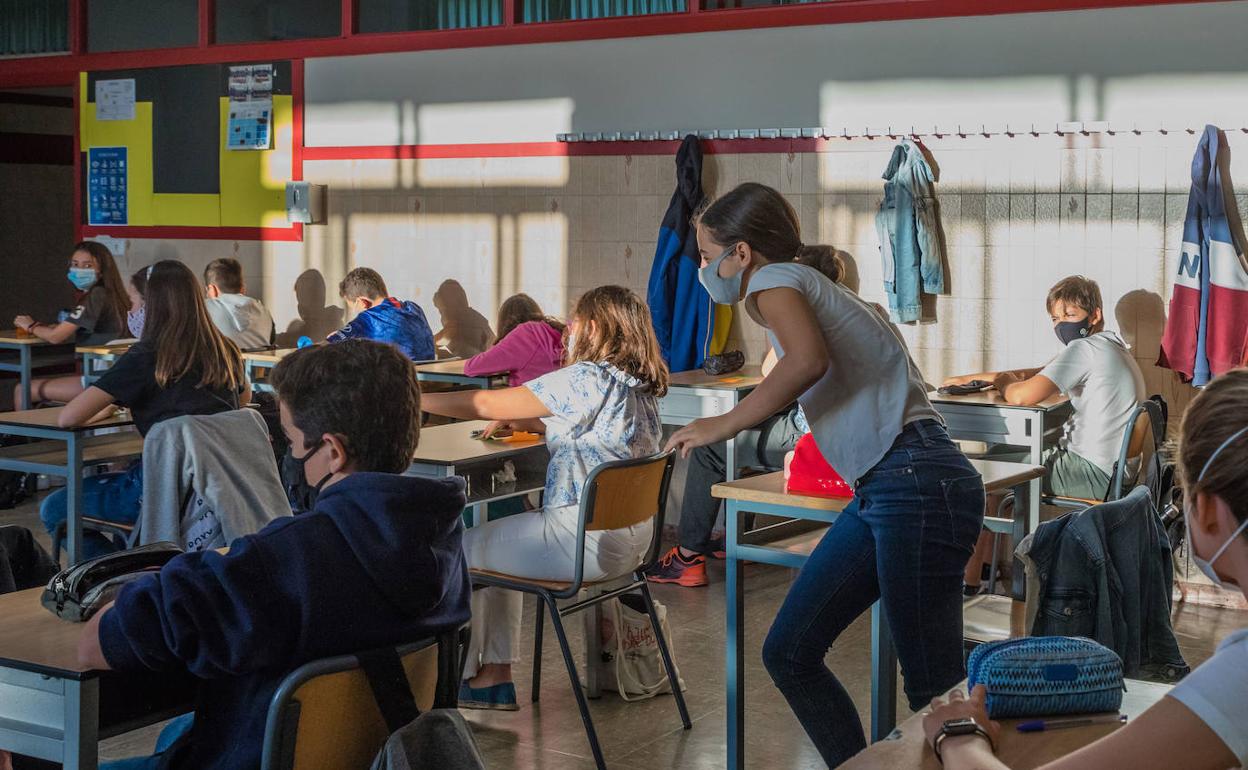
(15, 487)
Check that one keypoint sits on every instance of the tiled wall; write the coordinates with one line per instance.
(1017, 212)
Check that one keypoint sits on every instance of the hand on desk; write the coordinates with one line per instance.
(1005, 379)
(707, 430)
(966, 379)
(960, 707)
(22, 322)
(513, 426)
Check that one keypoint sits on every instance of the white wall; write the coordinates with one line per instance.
(1183, 61)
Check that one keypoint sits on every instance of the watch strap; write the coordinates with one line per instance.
(942, 735)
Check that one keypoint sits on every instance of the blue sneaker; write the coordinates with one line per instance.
(498, 697)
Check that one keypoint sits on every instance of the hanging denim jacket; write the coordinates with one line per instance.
(1104, 573)
(908, 228)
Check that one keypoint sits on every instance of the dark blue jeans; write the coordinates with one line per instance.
(112, 496)
(905, 539)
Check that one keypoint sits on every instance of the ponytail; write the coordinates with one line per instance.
(825, 259)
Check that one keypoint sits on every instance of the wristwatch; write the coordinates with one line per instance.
(956, 727)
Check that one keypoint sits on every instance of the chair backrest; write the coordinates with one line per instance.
(324, 714)
(1140, 443)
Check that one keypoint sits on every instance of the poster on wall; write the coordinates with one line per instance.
(251, 108)
(114, 99)
(106, 186)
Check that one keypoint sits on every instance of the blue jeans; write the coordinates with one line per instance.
(905, 539)
(112, 496)
(168, 736)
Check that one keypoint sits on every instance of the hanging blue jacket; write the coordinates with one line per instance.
(682, 311)
(909, 231)
(402, 324)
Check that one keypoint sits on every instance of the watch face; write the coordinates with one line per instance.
(960, 726)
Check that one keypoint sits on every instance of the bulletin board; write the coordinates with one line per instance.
(179, 171)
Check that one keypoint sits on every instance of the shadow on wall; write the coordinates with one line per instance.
(316, 320)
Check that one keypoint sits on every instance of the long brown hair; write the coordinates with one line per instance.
(759, 215)
(521, 308)
(1216, 414)
(614, 327)
(186, 340)
(108, 279)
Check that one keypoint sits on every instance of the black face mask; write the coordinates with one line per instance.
(1069, 331)
(301, 494)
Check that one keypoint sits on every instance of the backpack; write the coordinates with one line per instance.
(15, 487)
(438, 739)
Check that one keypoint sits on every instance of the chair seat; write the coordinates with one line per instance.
(549, 585)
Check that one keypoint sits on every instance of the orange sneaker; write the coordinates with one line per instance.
(674, 568)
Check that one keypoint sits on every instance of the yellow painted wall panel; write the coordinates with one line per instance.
(136, 136)
(253, 182)
(187, 209)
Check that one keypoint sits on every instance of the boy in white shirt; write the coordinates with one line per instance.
(1104, 384)
(239, 317)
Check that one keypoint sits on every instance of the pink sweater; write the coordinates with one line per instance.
(530, 350)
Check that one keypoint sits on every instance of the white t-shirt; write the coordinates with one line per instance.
(1104, 385)
(871, 389)
(1217, 693)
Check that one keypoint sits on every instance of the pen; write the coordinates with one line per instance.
(1040, 725)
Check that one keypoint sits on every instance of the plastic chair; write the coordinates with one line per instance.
(617, 494)
(324, 713)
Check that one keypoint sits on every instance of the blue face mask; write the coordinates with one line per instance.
(723, 291)
(82, 278)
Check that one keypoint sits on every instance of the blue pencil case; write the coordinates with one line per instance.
(1046, 675)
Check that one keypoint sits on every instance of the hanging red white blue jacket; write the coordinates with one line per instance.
(1207, 330)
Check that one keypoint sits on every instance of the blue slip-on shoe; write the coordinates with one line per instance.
(498, 697)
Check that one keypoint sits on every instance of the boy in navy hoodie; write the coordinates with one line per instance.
(377, 561)
(383, 318)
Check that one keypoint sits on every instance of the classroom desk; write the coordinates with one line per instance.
(695, 394)
(24, 347)
(906, 746)
(51, 707)
(452, 371)
(93, 356)
(263, 360)
(450, 450)
(65, 452)
(987, 417)
(766, 494)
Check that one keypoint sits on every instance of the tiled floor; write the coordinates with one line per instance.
(648, 734)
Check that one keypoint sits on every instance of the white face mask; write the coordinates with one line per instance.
(1206, 566)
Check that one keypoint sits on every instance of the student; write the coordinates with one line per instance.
(530, 343)
(918, 505)
(182, 365)
(378, 561)
(1105, 385)
(765, 445)
(239, 317)
(98, 316)
(603, 406)
(1200, 724)
(465, 332)
(136, 316)
(383, 318)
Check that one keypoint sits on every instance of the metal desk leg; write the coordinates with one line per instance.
(73, 497)
(735, 641)
(1035, 433)
(82, 707)
(480, 514)
(1023, 526)
(24, 357)
(883, 676)
(730, 459)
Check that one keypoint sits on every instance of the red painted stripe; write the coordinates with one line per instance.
(560, 149)
(207, 22)
(296, 100)
(46, 69)
(41, 149)
(294, 233)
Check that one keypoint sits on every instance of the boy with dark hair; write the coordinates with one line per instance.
(383, 318)
(1104, 383)
(377, 561)
(239, 317)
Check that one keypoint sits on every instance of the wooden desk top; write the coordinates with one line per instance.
(906, 747)
(769, 487)
(268, 356)
(46, 418)
(103, 350)
(33, 639)
(993, 398)
(454, 445)
(742, 379)
(9, 338)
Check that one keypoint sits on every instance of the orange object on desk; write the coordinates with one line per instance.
(23, 334)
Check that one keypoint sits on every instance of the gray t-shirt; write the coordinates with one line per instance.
(871, 389)
(1105, 385)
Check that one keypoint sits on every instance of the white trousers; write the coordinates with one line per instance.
(539, 545)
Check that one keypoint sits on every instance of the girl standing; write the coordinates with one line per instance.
(603, 406)
(918, 503)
